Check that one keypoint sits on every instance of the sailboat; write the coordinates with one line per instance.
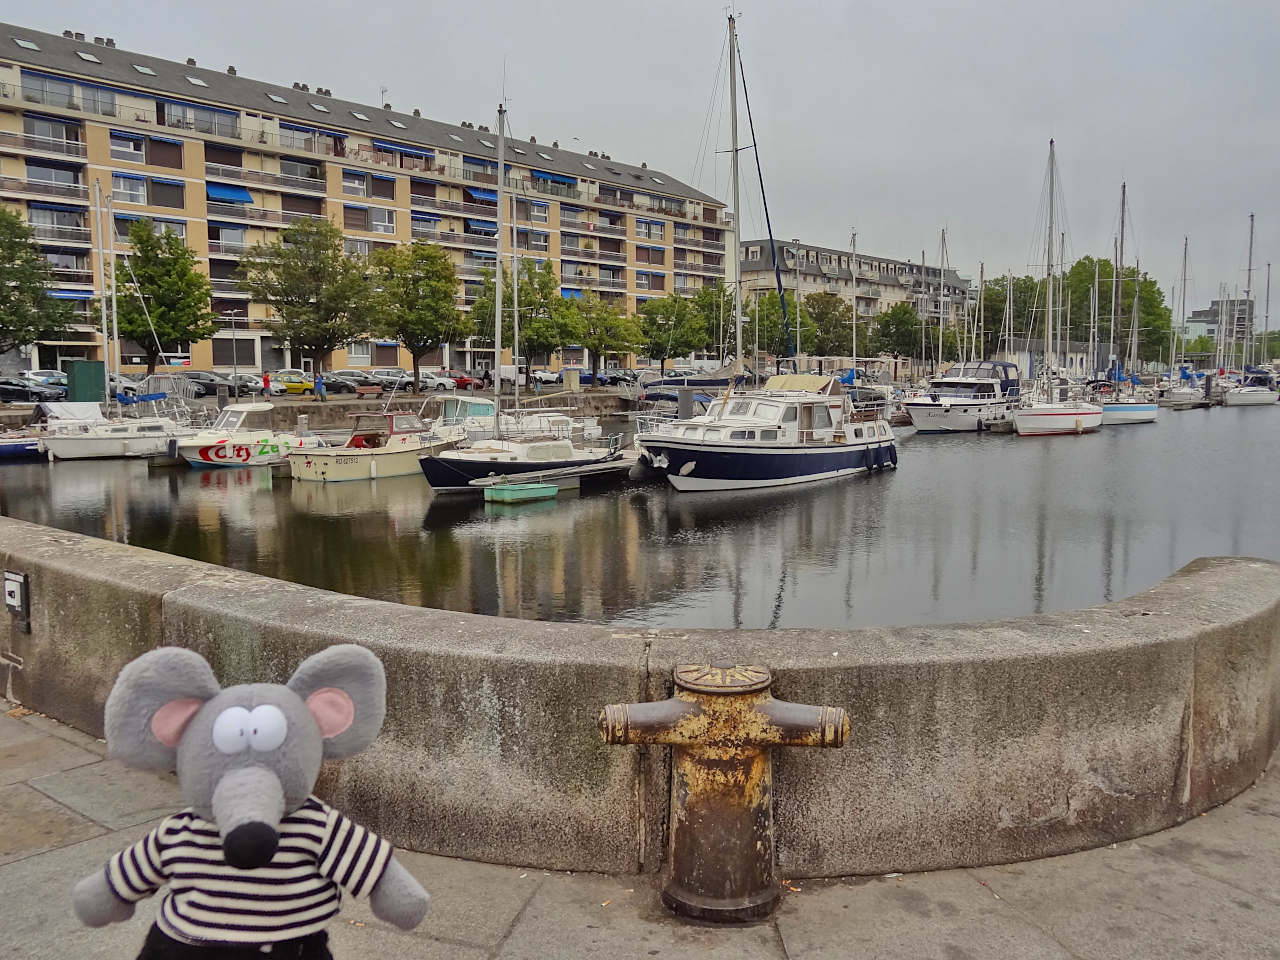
(1130, 407)
(1049, 410)
(1258, 387)
(799, 429)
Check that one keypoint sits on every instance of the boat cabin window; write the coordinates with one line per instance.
(406, 423)
(711, 434)
(884, 432)
(821, 418)
(690, 431)
(742, 434)
(740, 408)
(767, 411)
(769, 435)
(857, 433)
(229, 420)
(789, 415)
(479, 409)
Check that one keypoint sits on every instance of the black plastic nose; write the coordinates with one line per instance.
(250, 845)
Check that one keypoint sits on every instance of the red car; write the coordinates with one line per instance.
(461, 379)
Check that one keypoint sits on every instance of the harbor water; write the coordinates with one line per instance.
(969, 527)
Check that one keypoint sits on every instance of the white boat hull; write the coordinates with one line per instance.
(1052, 419)
(241, 450)
(105, 448)
(1249, 397)
(330, 464)
(957, 416)
(1115, 414)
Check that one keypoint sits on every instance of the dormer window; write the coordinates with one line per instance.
(145, 71)
(89, 57)
(26, 44)
(358, 115)
(397, 124)
(196, 81)
(320, 106)
(277, 98)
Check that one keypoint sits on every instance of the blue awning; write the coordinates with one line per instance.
(483, 225)
(301, 129)
(543, 203)
(221, 225)
(128, 216)
(162, 139)
(53, 206)
(429, 217)
(353, 206)
(480, 162)
(554, 177)
(124, 134)
(400, 148)
(570, 294)
(71, 294)
(123, 176)
(565, 208)
(378, 176)
(180, 183)
(481, 194)
(227, 193)
(481, 255)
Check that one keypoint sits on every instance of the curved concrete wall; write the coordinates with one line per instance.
(971, 744)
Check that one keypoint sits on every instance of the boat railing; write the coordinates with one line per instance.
(652, 424)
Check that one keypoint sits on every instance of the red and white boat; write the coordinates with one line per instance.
(235, 441)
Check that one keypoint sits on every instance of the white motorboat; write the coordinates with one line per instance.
(774, 437)
(242, 437)
(380, 445)
(110, 439)
(454, 470)
(1122, 410)
(473, 418)
(967, 398)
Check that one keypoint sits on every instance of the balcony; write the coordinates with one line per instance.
(227, 248)
(243, 211)
(72, 274)
(708, 269)
(50, 231)
(592, 226)
(26, 141)
(224, 172)
(611, 283)
(44, 188)
(227, 285)
(451, 238)
(488, 211)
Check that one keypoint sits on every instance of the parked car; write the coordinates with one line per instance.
(584, 376)
(43, 376)
(546, 376)
(359, 378)
(207, 382)
(462, 380)
(22, 390)
(336, 384)
(247, 384)
(290, 372)
(122, 383)
(434, 381)
(294, 384)
(615, 376)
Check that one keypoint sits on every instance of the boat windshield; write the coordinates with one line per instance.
(406, 423)
(229, 419)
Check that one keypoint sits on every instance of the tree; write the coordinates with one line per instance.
(416, 299)
(1202, 345)
(713, 306)
(547, 322)
(166, 299)
(776, 338)
(27, 312)
(832, 319)
(604, 328)
(319, 296)
(897, 331)
(670, 327)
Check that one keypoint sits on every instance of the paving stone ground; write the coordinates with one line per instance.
(1207, 889)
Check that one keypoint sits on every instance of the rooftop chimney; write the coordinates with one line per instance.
(68, 34)
(231, 71)
(191, 61)
(483, 128)
(644, 165)
(417, 112)
(386, 106)
(533, 139)
(295, 85)
(304, 88)
(111, 41)
(555, 144)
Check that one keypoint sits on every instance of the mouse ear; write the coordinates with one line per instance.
(153, 700)
(345, 689)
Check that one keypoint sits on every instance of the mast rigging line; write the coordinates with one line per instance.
(764, 200)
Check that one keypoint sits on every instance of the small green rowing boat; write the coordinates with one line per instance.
(520, 492)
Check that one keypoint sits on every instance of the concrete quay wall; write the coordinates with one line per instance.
(971, 744)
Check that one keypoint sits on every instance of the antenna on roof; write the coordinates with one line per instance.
(382, 93)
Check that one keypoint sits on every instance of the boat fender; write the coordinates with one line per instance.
(688, 468)
(1079, 425)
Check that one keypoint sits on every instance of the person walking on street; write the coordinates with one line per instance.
(318, 388)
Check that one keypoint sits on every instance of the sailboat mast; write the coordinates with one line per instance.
(978, 350)
(1111, 324)
(1048, 272)
(497, 277)
(115, 315)
(942, 259)
(1248, 287)
(737, 213)
(853, 264)
(102, 285)
(1119, 284)
(1093, 322)
(1133, 321)
(1266, 321)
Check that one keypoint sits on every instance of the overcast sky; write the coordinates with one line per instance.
(898, 118)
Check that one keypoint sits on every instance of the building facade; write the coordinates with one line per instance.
(1232, 315)
(880, 282)
(228, 162)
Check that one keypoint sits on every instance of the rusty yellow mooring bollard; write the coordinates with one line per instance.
(722, 722)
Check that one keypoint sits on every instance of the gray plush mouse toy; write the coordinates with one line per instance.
(255, 862)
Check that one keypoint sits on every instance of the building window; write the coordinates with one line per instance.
(753, 253)
(127, 148)
(163, 153)
(277, 98)
(176, 227)
(384, 220)
(538, 212)
(166, 193)
(355, 184)
(145, 71)
(642, 281)
(358, 115)
(47, 90)
(360, 352)
(128, 189)
(355, 218)
(302, 169)
(26, 44)
(355, 248)
(397, 124)
(384, 187)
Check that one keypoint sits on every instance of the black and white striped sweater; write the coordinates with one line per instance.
(294, 895)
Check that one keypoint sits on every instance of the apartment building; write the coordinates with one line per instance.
(880, 282)
(1234, 315)
(226, 162)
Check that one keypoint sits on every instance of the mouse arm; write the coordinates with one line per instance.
(398, 898)
(95, 903)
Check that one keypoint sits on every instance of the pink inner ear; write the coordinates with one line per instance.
(333, 710)
(171, 719)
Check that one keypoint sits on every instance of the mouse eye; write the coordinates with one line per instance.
(267, 727)
(231, 730)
